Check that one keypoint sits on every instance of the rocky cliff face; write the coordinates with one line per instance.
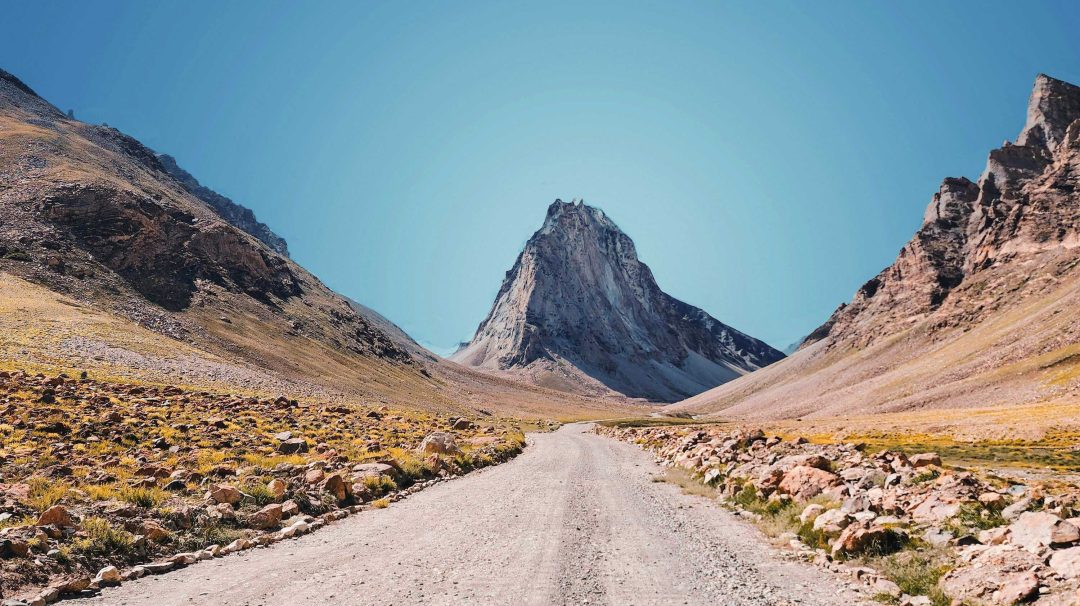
(1023, 205)
(578, 296)
(981, 306)
(237, 215)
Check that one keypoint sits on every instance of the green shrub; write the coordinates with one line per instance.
(103, 539)
(143, 496)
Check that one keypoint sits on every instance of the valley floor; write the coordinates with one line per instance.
(576, 519)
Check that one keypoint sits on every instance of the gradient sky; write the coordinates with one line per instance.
(767, 158)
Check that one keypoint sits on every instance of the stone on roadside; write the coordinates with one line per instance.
(439, 442)
(108, 577)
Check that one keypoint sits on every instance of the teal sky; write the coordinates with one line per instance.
(767, 158)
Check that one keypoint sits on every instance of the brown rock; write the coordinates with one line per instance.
(876, 540)
(225, 493)
(925, 459)
(57, 515)
(267, 517)
(804, 482)
(293, 446)
(336, 485)
(277, 487)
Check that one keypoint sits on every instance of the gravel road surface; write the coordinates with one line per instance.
(574, 520)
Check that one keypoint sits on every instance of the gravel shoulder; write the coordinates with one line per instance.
(576, 519)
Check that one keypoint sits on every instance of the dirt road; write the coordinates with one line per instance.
(576, 519)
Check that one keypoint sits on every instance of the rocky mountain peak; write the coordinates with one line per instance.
(1023, 205)
(579, 299)
(1052, 107)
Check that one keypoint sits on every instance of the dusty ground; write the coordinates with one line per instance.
(575, 520)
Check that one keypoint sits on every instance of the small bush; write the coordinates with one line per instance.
(916, 571)
(974, 515)
(210, 534)
(44, 493)
(381, 503)
(747, 497)
(259, 492)
(379, 485)
(925, 476)
(103, 539)
(816, 539)
(143, 496)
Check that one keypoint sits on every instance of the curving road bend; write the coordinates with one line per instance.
(575, 519)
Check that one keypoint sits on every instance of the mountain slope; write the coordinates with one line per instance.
(166, 288)
(579, 302)
(981, 307)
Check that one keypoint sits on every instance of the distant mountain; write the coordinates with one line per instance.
(981, 307)
(578, 304)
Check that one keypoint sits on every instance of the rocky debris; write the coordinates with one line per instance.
(578, 296)
(1006, 544)
(170, 464)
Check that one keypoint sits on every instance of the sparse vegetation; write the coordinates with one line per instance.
(103, 539)
(916, 571)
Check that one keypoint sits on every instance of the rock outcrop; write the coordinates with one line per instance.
(1023, 204)
(578, 296)
(237, 215)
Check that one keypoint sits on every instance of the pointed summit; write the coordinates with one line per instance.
(1053, 106)
(578, 304)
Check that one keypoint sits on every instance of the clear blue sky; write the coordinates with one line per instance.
(767, 158)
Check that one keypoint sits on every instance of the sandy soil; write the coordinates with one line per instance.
(575, 520)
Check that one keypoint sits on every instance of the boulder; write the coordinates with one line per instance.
(108, 577)
(925, 459)
(804, 482)
(811, 513)
(154, 531)
(934, 509)
(877, 540)
(277, 487)
(338, 487)
(293, 446)
(225, 493)
(1066, 562)
(1036, 530)
(439, 442)
(992, 499)
(57, 515)
(267, 517)
(996, 575)
(832, 522)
